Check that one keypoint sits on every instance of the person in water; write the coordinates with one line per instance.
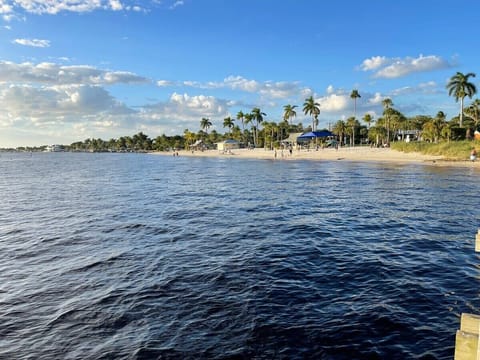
(473, 155)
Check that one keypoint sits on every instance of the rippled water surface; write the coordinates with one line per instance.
(129, 256)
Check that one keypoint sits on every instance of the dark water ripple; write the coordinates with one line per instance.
(143, 257)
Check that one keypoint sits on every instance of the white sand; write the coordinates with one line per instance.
(342, 154)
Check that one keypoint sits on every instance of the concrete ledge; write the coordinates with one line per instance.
(466, 345)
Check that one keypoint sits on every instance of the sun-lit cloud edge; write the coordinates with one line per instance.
(269, 90)
(54, 74)
(391, 68)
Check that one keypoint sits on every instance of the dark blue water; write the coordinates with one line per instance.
(128, 256)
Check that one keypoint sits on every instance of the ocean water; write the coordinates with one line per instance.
(137, 256)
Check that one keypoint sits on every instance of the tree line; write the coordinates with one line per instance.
(252, 129)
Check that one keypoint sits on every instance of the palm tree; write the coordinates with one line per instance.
(241, 117)
(248, 120)
(474, 111)
(289, 112)
(387, 105)
(269, 129)
(459, 87)
(352, 124)
(312, 108)
(205, 124)
(257, 116)
(355, 95)
(340, 128)
(375, 133)
(189, 138)
(368, 119)
(228, 122)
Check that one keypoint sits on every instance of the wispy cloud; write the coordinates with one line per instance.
(32, 42)
(177, 4)
(9, 7)
(267, 89)
(390, 68)
(430, 87)
(54, 74)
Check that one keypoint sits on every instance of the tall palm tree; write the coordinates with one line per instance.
(312, 108)
(387, 105)
(355, 95)
(289, 112)
(248, 120)
(368, 119)
(205, 124)
(257, 116)
(241, 117)
(352, 124)
(460, 87)
(228, 123)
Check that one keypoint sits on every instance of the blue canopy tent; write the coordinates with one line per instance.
(313, 135)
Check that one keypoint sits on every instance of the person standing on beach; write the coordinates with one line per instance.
(473, 154)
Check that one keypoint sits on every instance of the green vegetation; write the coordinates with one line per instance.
(453, 150)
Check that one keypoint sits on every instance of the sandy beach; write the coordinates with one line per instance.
(342, 154)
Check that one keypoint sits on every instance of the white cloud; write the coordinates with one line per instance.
(115, 5)
(430, 87)
(165, 83)
(177, 4)
(374, 63)
(183, 111)
(334, 102)
(32, 42)
(5, 8)
(57, 6)
(376, 99)
(68, 102)
(398, 67)
(267, 89)
(186, 107)
(54, 74)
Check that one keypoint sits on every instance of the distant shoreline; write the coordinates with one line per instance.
(358, 154)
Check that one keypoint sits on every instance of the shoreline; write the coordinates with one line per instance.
(355, 154)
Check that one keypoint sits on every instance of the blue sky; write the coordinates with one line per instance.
(73, 69)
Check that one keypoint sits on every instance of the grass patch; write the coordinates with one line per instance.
(453, 150)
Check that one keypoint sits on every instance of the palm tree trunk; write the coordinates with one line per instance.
(461, 112)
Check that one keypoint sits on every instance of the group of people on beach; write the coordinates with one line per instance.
(290, 152)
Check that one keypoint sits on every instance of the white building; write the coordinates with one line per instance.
(228, 144)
